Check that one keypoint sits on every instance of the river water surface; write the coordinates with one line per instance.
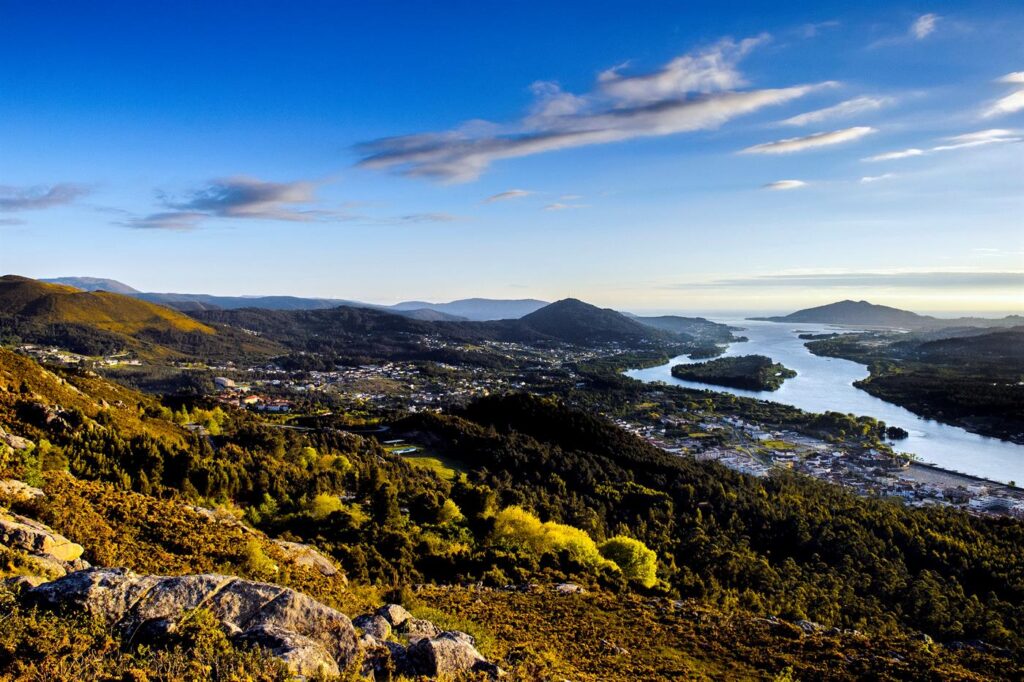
(824, 384)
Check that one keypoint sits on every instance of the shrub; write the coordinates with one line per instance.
(633, 558)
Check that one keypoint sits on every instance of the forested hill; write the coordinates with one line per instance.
(362, 331)
(574, 321)
(99, 322)
(854, 313)
(862, 313)
(715, 567)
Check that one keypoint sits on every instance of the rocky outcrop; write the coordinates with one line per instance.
(308, 557)
(14, 442)
(12, 490)
(446, 654)
(55, 554)
(430, 651)
(374, 625)
(394, 614)
(309, 636)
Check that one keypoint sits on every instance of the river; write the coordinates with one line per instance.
(823, 384)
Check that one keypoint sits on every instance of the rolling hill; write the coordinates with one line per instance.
(854, 313)
(864, 314)
(93, 284)
(574, 321)
(476, 309)
(99, 322)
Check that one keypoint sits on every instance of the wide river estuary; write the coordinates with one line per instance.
(826, 384)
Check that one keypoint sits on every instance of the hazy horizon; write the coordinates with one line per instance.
(675, 158)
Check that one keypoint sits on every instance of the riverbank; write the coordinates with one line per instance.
(825, 384)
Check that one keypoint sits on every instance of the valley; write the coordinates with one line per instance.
(432, 463)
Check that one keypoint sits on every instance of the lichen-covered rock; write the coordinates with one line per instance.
(27, 535)
(17, 491)
(374, 624)
(394, 614)
(447, 654)
(302, 655)
(415, 629)
(14, 442)
(569, 588)
(308, 557)
(256, 611)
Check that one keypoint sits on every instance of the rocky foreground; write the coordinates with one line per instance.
(312, 639)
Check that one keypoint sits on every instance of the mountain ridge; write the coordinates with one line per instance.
(864, 313)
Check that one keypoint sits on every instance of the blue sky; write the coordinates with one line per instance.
(643, 155)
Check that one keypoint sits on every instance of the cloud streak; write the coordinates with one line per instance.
(37, 198)
(799, 144)
(507, 195)
(245, 197)
(692, 92)
(780, 185)
(924, 26)
(850, 107)
(176, 221)
(965, 141)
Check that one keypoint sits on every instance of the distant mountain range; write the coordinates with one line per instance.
(100, 323)
(864, 314)
(475, 309)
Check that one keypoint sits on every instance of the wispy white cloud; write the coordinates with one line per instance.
(36, 198)
(506, 195)
(1015, 78)
(891, 156)
(867, 179)
(560, 206)
(798, 144)
(976, 139)
(784, 185)
(850, 107)
(709, 70)
(177, 221)
(245, 197)
(814, 29)
(435, 217)
(924, 26)
(692, 92)
(1010, 104)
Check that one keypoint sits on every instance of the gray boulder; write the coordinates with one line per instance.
(37, 539)
(257, 612)
(416, 629)
(394, 614)
(308, 557)
(375, 625)
(448, 653)
(18, 491)
(303, 655)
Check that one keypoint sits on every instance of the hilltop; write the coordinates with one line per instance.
(93, 284)
(865, 314)
(574, 321)
(853, 313)
(100, 322)
(476, 309)
(353, 333)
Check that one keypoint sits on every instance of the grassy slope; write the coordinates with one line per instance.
(55, 303)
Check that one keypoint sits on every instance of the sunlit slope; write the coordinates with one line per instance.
(100, 322)
(56, 303)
